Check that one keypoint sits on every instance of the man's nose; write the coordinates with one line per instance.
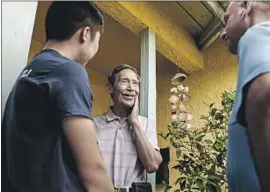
(223, 35)
(130, 87)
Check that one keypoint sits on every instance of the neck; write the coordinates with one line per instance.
(65, 48)
(120, 111)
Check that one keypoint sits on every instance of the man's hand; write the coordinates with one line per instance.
(133, 118)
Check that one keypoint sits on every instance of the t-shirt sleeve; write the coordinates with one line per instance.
(151, 133)
(70, 91)
(254, 61)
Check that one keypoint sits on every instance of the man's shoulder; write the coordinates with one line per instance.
(50, 60)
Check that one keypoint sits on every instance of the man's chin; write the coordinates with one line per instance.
(128, 104)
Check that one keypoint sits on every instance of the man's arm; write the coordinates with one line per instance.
(81, 136)
(257, 115)
(149, 156)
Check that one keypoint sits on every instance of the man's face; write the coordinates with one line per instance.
(126, 88)
(235, 27)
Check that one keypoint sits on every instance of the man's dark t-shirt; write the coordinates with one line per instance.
(35, 154)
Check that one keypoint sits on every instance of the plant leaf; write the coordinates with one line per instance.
(211, 105)
(178, 153)
(208, 141)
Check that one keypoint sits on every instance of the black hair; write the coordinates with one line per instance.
(116, 70)
(64, 18)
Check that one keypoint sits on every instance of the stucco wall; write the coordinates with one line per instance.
(220, 74)
(102, 99)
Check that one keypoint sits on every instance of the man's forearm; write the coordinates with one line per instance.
(149, 156)
(98, 181)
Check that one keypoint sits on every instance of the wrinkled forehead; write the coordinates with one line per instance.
(128, 74)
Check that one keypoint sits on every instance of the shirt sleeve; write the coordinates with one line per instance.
(70, 91)
(151, 133)
(254, 60)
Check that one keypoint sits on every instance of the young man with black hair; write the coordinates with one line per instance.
(48, 136)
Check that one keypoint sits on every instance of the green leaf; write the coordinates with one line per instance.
(179, 180)
(164, 183)
(200, 184)
(208, 141)
(178, 153)
(211, 105)
(199, 147)
(167, 135)
(213, 111)
(183, 184)
(200, 138)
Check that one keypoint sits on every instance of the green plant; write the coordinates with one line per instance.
(200, 152)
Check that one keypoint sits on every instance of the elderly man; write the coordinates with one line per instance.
(127, 141)
(247, 34)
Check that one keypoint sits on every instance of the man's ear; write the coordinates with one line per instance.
(110, 88)
(84, 33)
(245, 9)
(248, 7)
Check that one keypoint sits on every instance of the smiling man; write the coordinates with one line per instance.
(247, 34)
(127, 141)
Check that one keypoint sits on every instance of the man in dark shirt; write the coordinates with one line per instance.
(48, 137)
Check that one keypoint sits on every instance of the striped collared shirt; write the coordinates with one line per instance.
(118, 148)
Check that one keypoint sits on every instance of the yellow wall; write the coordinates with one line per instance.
(219, 74)
(207, 86)
(102, 98)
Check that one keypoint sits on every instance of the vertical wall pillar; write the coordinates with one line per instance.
(18, 20)
(148, 93)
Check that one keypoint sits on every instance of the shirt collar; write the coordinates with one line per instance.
(110, 116)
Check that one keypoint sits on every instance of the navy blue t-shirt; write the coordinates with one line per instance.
(35, 154)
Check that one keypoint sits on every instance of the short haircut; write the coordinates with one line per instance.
(116, 70)
(64, 18)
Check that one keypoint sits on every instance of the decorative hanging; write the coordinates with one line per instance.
(179, 99)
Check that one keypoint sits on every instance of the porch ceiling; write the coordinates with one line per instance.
(173, 41)
(183, 28)
(202, 19)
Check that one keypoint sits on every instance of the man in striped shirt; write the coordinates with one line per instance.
(127, 141)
